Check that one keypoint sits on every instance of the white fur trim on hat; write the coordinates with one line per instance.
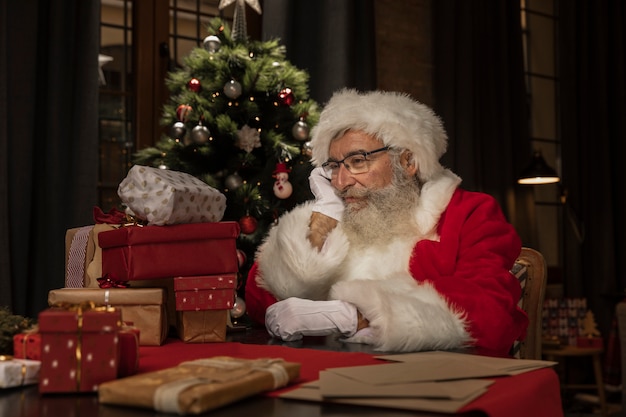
(394, 118)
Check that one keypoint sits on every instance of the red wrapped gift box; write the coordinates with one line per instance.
(207, 282)
(212, 292)
(79, 348)
(129, 337)
(222, 299)
(202, 304)
(27, 345)
(137, 253)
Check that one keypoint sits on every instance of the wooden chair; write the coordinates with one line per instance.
(531, 271)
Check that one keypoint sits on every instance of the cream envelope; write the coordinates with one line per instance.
(311, 392)
(428, 381)
(336, 385)
(451, 365)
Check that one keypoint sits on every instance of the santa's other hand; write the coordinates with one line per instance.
(293, 318)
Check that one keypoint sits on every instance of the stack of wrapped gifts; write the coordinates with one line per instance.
(168, 250)
(127, 281)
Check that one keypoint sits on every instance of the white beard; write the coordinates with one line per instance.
(384, 215)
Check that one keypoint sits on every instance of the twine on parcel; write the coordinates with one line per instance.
(165, 397)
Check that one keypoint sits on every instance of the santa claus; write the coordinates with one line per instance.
(392, 252)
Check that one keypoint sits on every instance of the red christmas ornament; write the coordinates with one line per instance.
(241, 258)
(194, 85)
(248, 224)
(183, 111)
(285, 96)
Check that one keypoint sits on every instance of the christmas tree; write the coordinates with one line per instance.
(239, 118)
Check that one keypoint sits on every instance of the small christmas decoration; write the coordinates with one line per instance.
(248, 224)
(248, 138)
(178, 130)
(307, 149)
(241, 258)
(212, 43)
(589, 335)
(232, 89)
(200, 133)
(282, 187)
(233, 181)
(286, 97)
(194, 85)
(239, 308)
(300, 130)
(183, 112)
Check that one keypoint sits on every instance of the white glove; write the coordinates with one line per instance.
(327, 201)
(293, 318)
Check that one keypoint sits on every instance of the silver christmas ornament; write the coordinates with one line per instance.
(239, 308)
(233, 181)
(300, 130)
(200, 134)
(178, 130)
(232, 89)
(212, 43)
(307, 149)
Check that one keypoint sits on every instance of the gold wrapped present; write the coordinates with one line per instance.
(198, 386)
(143, 307)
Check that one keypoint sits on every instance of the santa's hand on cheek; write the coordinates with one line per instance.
(328, 208)
(293, 318)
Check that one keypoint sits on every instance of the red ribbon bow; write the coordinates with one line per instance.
(107, 282)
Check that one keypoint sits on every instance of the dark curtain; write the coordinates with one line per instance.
(48, 138)
(593, 125)
(331, 39)
(480, 95)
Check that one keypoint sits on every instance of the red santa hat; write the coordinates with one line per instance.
(395, 118)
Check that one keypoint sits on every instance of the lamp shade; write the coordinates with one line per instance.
(538, 172)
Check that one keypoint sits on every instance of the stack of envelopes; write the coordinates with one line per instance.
(427, 381)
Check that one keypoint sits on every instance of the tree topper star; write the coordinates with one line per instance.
(252, 3)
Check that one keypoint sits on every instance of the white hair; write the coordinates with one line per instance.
(394, 118)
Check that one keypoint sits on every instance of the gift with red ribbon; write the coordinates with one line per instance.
(144, 307)
(153, 252)
(80, 347)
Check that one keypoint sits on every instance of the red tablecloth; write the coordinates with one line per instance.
(535, 393)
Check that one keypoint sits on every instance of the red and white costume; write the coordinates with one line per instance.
(446, 287)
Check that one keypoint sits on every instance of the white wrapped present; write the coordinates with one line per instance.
(18, 372)
(165, 197)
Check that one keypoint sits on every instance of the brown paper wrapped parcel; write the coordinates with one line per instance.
(200, 385)
(143, 307)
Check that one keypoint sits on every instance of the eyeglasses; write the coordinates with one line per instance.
(356, 163)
